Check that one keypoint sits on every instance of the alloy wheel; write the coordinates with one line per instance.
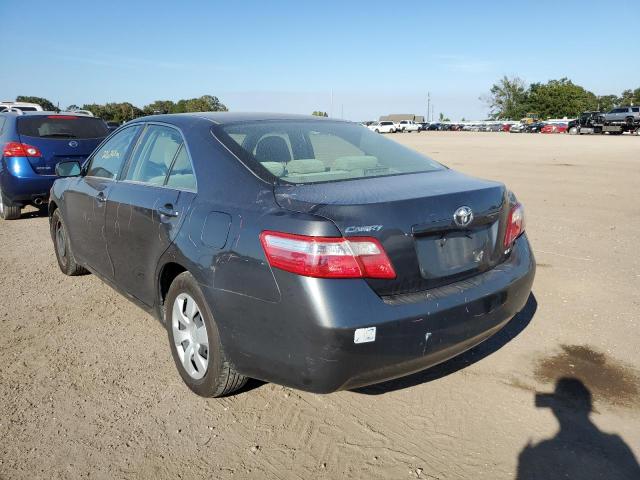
(190, 336)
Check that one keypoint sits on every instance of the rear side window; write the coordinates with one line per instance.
(154, 154)
(108, 160)
(62, 126)
(635, 109)
(181, 175)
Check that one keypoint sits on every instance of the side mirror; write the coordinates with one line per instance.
(69, 168)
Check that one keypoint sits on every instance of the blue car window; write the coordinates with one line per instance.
(108, 160)
(154, 154)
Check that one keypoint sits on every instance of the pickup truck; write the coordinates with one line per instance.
(408, 126)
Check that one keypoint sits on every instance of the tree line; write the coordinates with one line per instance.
(125, 111)
(511, 98)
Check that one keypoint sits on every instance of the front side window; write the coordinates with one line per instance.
(311, 151)
(154, 154)
(110, 157)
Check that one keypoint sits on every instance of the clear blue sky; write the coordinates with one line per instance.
(378, 57)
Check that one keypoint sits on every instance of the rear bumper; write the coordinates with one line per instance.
(20, 184)
(306, 340)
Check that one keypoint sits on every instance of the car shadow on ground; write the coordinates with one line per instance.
(579, 449)
(33, 213)
(489, 346)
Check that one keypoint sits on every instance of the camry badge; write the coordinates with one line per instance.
(73, 143)
(463, 216)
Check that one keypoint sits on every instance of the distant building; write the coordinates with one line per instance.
(397, 117)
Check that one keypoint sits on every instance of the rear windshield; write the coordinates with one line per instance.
(62, 126)
(309, 151)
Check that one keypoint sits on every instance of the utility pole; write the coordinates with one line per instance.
(428, 104)
(331, 109)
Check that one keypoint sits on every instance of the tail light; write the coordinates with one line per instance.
(17, 149)
(515, 225)
(327, 257)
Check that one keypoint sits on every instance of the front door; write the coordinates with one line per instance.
(85, 201)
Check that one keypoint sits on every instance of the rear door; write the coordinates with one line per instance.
(146, 208)
(85, 201)
(60, 137)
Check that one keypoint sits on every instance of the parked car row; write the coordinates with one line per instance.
(290, 249)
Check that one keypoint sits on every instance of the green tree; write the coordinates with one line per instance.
(607, 102)
(630, 97)
(117, 112)
(205, 103)
(443, 118)
(43, 102)
(159, 106)
(507, 99)
(559, 98)
(318, 113)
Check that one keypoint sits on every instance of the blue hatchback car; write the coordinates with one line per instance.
(33, 143)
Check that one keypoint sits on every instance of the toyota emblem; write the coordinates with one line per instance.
(463, 216)
(73, 143)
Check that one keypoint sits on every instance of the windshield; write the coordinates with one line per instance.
(62, 126)
(309, 151)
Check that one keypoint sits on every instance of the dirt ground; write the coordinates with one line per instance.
(88, 388)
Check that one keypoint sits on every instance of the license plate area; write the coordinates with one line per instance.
(455, 252)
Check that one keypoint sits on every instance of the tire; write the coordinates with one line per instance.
(573, 131)
(8, 211)
(377, 131)
(204, 368)
(62, 247)
(629, 121)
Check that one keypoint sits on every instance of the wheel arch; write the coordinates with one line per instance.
(53, 206)
(166, 276)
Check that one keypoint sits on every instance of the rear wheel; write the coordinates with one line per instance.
(8, 210)
(64, 255)
(573, 131)
(195, 341)
(629, 121)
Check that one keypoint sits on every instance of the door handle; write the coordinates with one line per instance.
(167, 211)
(101, 198)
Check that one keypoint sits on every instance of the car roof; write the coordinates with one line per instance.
(222, 118)
(42, 113)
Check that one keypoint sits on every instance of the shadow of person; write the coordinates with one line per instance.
(491, 345)
(579, 450)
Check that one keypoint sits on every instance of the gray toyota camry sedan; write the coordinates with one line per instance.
(309, 252)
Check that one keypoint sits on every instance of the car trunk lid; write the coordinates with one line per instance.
(413, 218)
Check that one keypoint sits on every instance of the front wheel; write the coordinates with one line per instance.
(8, 211)
(64, 255)
(195, 341)
(573, 131)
